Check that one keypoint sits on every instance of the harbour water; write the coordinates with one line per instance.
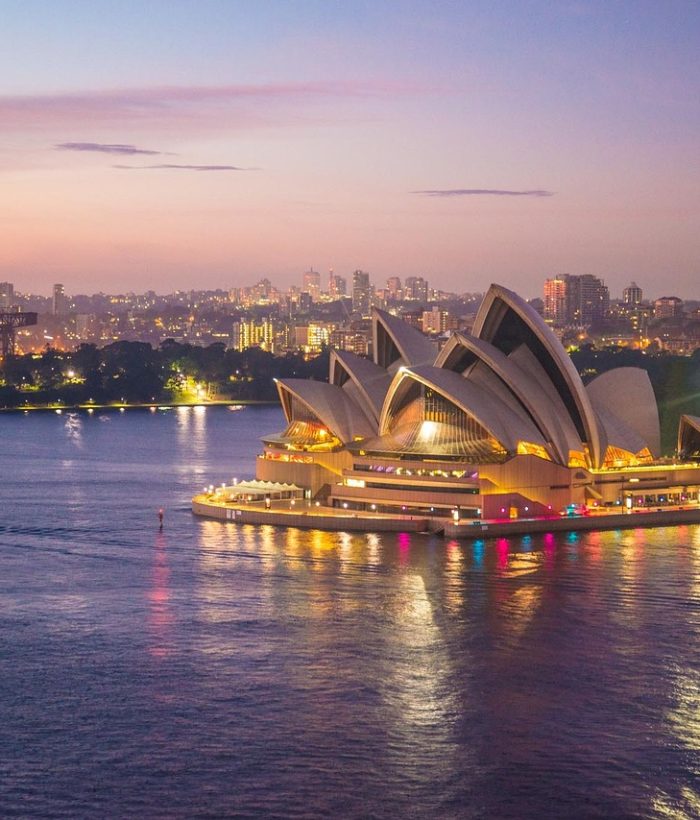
(216, 670)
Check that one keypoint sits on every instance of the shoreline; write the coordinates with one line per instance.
(329, 518)
(165, 405)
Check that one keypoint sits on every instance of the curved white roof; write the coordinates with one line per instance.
(371, 382)
(561, 425)
(527, 390)
(506, 426)
(412, 346)
(627, 393)
(525, 326)
(617, 433)
(329, 403)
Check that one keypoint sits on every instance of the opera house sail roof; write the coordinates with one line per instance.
(508, 389)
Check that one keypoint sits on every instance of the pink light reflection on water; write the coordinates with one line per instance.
(404, 540)
(550, 546)
(502, 553)
(160, 616)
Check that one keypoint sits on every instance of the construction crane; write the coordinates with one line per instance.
(9, 322)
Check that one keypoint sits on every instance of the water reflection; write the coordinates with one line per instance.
(683, 715)
(408, 618)
(421, 702)
(191, 426)
(73, 426)
(160, 616)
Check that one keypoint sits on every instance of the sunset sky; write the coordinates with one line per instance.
(205, 144)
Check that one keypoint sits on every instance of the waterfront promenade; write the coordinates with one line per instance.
(308, 515)
(151, 405)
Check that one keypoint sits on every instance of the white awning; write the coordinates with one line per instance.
(255, 487)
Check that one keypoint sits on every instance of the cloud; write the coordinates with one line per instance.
(197, 108)
(482, 192)
(104, 148)
(169, 166)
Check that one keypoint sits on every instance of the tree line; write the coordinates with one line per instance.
(136, 372)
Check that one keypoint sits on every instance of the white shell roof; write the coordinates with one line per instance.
(414, 347)
(627, 393)
(523, 388)
(504, 424)
(372, 381)
(331, 404)
(489, 320)
(526, 386)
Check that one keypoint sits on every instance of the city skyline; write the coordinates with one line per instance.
(218, 144)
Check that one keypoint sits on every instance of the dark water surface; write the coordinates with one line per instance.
(217, 670)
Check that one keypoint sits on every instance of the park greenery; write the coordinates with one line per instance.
(135, 372)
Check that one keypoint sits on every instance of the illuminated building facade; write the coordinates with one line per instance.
(496, 424)
(580, 300)
(361, 293)
(632, 294)
(312, 284)
(7, 295)
(668, 307)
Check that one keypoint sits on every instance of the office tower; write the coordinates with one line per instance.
(593, 300)
(580, 300)
(305, 302)
(312, 284)
(60, 302)
(337, 285)
(393, 286)
(632, 295)
(7, 295)
(416, 288)
(361, 293)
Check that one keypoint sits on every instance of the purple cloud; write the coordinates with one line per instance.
(168, 166)
(104, 148)
(482, 192)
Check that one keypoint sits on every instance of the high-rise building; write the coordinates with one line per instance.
(7, 295)
(361, 293)
(632, 294)
(556, 300)
(434, 321)
(305, 302)
(312, 283)
(248, 333)
(579, 300)
(60, 302)
(337, 285)
(317, 337)
(393, 286)
(416, 288)
(668, 307)
(593, 300)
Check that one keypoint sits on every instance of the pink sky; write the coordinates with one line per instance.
(210, 150)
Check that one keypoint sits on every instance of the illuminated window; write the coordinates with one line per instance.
(527, 448)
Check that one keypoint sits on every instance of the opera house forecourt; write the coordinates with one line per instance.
(496, 431)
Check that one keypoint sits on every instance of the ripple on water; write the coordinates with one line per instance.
(214, 670)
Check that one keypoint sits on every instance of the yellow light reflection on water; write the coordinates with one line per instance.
(417, 691)
(683, 716)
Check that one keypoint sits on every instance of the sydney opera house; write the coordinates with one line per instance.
(497, 424)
